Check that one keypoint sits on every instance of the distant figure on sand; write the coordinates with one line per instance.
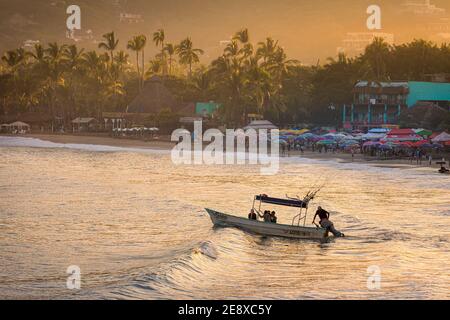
(325, 222)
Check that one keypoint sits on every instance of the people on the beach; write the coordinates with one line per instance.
(325, 222)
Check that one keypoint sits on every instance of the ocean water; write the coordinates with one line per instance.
(135, 225)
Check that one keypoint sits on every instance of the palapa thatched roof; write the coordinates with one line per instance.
(153, 98)
(19, 124)
(261, 124)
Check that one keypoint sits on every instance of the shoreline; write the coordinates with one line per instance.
(102, 141)
(167, 146)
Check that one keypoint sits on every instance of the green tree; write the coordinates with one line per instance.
(188, 55)
(169, 49)
(110, 44)
(137, 44)
(376, 58)
(158, 38)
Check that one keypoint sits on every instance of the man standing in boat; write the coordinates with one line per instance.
(325, 222)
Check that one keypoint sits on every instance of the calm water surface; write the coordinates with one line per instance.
(135, 224)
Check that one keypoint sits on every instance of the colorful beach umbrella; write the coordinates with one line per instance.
(420, 143)
(423, 132)
(385, 147)
(326, 142)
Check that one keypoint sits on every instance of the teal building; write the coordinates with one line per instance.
(429, 92)
(378, 104)
(206, 108)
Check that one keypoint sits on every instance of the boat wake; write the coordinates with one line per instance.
(208, 249)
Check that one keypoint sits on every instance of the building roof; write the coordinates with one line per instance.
(19, 124)
(84, 120)
(153, 98)
(393, 87)
(377, 84)
(261, 124)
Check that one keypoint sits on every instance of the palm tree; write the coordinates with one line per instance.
(121, 60)
(158, 38)
(267, 49)
(99, 79)
(243, 37)
(73, 57)
(56, 64)
(133, 45)
(155, 67)
(56, 52)
(137, 44)
(376, 56)
(202, 82)
(188, 55)
(13, 58)
(110, 44)
(170, 50)
(143, 43)
(232, 49)
(38, 54)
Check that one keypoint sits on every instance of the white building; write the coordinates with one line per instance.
(421, 7)
(28, 44)
(131, 18)
(78, 35)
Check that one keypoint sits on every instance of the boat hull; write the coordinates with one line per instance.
(265, 228)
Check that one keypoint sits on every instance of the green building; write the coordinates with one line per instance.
(206, 108)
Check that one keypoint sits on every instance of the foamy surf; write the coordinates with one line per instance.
(38, 143)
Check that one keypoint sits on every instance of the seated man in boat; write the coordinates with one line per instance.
(443, 169)
(325, 222)
(266, 216)
(273, 217)
(252, 215)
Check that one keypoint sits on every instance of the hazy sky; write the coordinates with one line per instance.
(308, 30)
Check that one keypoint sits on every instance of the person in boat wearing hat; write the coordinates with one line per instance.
(325, 222)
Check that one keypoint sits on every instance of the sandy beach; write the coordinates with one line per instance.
(104, 141)
(164, 144)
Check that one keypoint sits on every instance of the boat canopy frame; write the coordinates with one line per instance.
(301, 204)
